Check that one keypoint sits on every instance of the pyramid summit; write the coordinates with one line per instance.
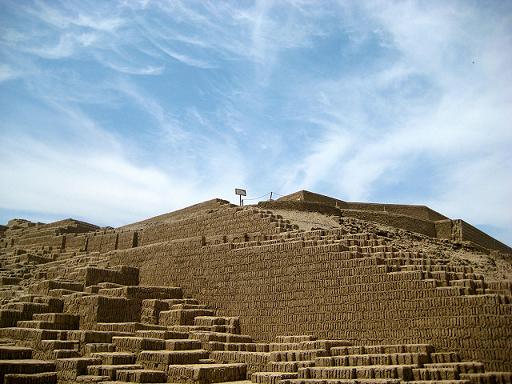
(304, 289)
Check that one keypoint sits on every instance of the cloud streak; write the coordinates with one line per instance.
(397, 102)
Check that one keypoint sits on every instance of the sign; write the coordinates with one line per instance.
(241, 192)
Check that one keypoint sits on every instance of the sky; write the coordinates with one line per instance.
(115, 111)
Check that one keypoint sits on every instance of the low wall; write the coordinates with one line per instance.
(470, 233)
(418, 211)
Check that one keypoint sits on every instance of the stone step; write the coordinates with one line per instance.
(417, 359)
(298, 355)
(58, 318)
(34, 378)
(159, 360)
(223, 337)
(63, 354)
(113, 358)
(137, 344)
(182, 344)
(36, 324)
(111, 370)
(342, 381)
(69, 369)
(403, 372)
(290, 366)
(131, 327)
(13, 353)
(141, 376)
(425, 374)
(30, 336)
(91, 379)
(143, 292)
(9, 317)
(461, 367)
(25, 366)
(445, 357)
(50, 345)
(294, 338)
(272, 377)
(244, 347)
(380, 349)
(206, 373)
(487, 377)
(182, 316)
(156, 334)
(91, 348)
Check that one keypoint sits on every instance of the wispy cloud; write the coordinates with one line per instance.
(8, 73)
(363, 100)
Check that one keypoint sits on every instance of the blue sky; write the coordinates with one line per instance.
(114, 111)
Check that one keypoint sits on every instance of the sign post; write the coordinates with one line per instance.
(240, 192)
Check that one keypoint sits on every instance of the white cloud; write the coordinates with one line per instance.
(8, 73)
(458, 121)
(104, 187)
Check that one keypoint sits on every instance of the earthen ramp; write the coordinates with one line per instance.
(307, 289)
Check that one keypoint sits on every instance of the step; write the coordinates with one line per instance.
(28, 378)
(111, 370)
(91, 379)
(58, 318)
(143, 292)
(323, 344)
(438, 373)
(141, 376)
(417, 359)
(30, 335)
(36, 324)
(343, 381)
(298, 355)
(487, 377)
(182, 344)
(290, 366)
(14, 353)
(461, 367)
(445, 357)
(182, 316)
(130, 327)
(137, 344)
(272, 377)
(245, 347)
(69, 369)
(87, 336)
(159, 360)
(403, 372)
(159, 334)
(223, 337)
(112, 358)
(294, 338)
(206, 373)
(50, 345)
(91, 348)
(64, 354)
(25, 366)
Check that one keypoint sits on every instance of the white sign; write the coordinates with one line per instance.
(240, 192)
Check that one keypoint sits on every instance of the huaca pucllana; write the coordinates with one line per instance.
(307, 289)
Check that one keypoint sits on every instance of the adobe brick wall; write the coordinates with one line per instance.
(470, 233)
(295, 287)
